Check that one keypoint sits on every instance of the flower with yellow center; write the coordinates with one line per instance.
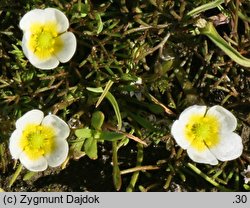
(39, 141)
(46, 41)
(207, 134)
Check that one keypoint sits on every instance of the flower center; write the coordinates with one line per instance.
(37, 140)
(202, 131)
(44, 41)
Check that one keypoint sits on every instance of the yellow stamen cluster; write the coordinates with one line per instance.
(202, 131)
(44, 41)
(37, 140)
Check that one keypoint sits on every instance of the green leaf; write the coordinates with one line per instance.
(104, 93)
(97, 120)
(111, 136)
(99, 23)
(205, 7)
(84, 9)
(95, 89)
(80, 10)
(113, 102)
(210, 31)
(83, 133)
(77, 144)
(76, 149)
(15, 175)
(247, 187)
(156, 109)
(90, 148)
(28, 176)
(142, 121)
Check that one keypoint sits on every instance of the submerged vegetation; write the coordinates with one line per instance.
(138, 65)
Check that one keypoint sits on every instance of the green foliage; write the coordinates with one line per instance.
(110, 136)
(83, 133)
(113, 102)
(88, 138)
(97, 120)
(90, 147)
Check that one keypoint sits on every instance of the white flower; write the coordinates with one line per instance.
(39, 141)
(246, 174)
(46, 41)
(208, 135)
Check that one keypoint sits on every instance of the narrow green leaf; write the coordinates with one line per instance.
(210, 31)
(99, 23)
(97, 120)
(111, 136)
(142, 121)
(104, 93)
(90, 148)
(15, 175)
(113, 102)
(29, 175)
(95, 89)
(205, 7)
(152, 107)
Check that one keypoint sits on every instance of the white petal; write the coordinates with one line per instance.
(69, 47)
(33, 165)
(60, 154)
(31, 17)
(44, 16)
(61, 20)
(61, 127)
(50, 63)
(194, 109)
(14, 144)
(205, 156)
(26, 37)
(31, 117)
(177, 131)
(46, 64)
(226, 118)
(178, 127)
(229, 148)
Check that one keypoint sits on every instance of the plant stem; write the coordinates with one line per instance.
(135, 175)
(207, 178)
(116, 170)
(139, 168)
